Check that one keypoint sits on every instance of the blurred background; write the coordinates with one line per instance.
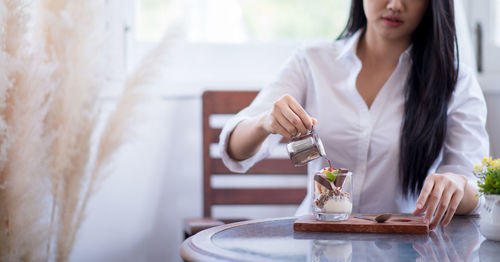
(218, 44)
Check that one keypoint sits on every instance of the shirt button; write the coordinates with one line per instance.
(364, 133)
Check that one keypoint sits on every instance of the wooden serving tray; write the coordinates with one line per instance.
(396, 224)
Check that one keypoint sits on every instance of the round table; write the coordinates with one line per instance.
(275, 240)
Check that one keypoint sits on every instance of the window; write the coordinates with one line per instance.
(253, 29)
(240, 21)
(229, 43)
(151, 18)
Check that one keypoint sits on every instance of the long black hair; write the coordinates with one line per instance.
(430, 84)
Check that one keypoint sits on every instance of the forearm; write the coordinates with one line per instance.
(247, 138)
(469, 201)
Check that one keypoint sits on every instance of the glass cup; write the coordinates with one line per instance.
(332, 190)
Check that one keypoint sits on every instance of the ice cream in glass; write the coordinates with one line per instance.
(332, 194)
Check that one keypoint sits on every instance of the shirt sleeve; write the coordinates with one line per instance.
(291, 80)
(466, 140)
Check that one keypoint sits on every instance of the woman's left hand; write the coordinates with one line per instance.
(441, 193)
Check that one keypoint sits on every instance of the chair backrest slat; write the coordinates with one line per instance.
(231, 102)
(269, 166)
(258, 196)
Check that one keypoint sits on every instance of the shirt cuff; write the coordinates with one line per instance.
(455, 169)
(243, 165)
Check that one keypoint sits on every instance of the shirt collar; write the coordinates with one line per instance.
(351, 44)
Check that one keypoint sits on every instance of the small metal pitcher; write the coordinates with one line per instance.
(305, 148)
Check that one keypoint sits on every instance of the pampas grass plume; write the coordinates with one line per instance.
(24, 170)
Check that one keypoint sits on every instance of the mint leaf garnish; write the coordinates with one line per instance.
(330, 176)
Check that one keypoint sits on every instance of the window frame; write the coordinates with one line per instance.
(487, 52)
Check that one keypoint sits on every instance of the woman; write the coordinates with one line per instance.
(390, 102)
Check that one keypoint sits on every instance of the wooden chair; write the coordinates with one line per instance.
(231, 102)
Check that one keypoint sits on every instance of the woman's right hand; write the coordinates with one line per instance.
(287, 118)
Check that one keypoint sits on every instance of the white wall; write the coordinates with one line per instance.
(156, 181)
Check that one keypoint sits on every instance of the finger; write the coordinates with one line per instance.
(277, 116)
(294, 119)
(278, 129)
(302, 114)
(314, 121)
(433, 202)
(452, 208)
(424, 194)
(283, 121)
(442, 207)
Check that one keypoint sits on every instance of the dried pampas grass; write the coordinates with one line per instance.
(49, 104)
(71, 36)
(24, 170)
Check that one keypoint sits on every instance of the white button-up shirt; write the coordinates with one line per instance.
(322, 78)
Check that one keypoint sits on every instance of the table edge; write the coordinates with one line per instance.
(201, 241)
